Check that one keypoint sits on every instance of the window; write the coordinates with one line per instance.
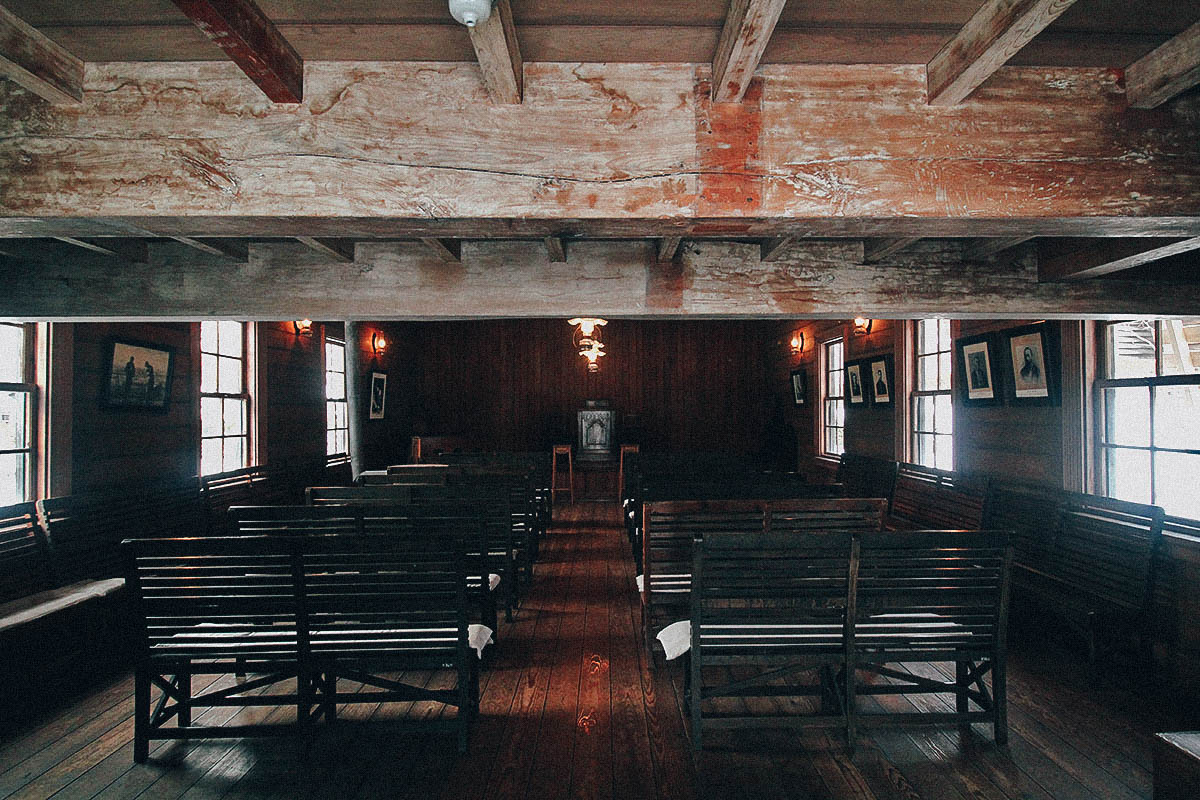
(833, 412)
(337, 427)
(224, 398)
(18, 395)
(932, 412)
(1148, 404)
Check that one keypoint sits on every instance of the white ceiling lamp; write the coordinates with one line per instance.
(471, 12)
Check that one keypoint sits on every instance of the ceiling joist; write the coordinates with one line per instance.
(668, 248)
(1168, 71)
(135, 251)
(986, 248)
(448, 250)
(499, 55)
(231, 249)
(337, 249)
(876, 251)
(773, 249)
(1106, 256)
(997, 31)
(40, 65)
(556, 249)
(252, 42)
(748, 29)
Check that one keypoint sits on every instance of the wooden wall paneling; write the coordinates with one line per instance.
(871, 429)
(293, 429)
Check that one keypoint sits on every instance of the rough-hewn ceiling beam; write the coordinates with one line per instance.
(1106, 256)
(35, 62)
(876, 251)
(499, 55)
(986, 248)
(990, 38)
(1171, 69)
(135, 250)
(774, 249)
(556, 249)
(448, 250)
(668, 247)
(252, 42)
(339, 249)
(231, 249)
(748, 29)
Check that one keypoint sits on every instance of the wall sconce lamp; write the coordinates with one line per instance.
(303, 327)
(378, 343)
(862, 325)
(587, 340)
(797, 342)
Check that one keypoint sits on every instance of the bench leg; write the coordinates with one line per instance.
(183, 680)
(141, 716)
(850, 690)
(1000, 699)
(962, 703)
(329, 704)
(648, 636)
(696, 698)
(465, 710)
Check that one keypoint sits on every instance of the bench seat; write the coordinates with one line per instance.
(32, 608)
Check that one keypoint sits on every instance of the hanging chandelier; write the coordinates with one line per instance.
(587, 340)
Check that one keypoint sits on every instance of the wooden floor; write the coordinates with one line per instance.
(571, 709)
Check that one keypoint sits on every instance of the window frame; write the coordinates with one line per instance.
(246, 397)
(915, 393)
(826, 398)
(341, 457)
(29, 386)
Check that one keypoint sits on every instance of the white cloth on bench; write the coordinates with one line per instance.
(37, 606)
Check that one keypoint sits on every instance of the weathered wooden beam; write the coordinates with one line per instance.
(556, 249)
(37, 63)
(499, 55)
(748, 29)
(252, 42)
(232, 249)
(990, 38)
(774, 249)
(668, 247)
(338, 249)
(986, 248)
(880, 249)
(135, 250)
(1162, 74)
(1106, 256)
(447, 250)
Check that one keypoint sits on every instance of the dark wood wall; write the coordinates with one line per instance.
(292, 394)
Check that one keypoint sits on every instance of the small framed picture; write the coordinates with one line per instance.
(139, 376)
(1032, 359)
(799, 387)
(977, 360)
(854, 383)
(378, 394)
(880, 377)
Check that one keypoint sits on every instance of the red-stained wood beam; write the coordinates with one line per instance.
(748, 29)
(1171, 69)
(1106, 256)
(35, 62)
(252, 42)
(499, 55)
(997, 31)
(668, 248)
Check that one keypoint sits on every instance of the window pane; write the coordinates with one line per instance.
(234, 454)
(330, 442)
(1177, 417)
(1130, 349)
(943, 334)
(210, 456)
(208, 337)
(229, 339)
(335, 357)
(343, 441)
(234, 417)
(1128, 474)
(208, 373)
(229, 380)
(210, 416)
(1175, 483)
(925, 449)
(335, 385)
(13, 467)
(924, 414)
(945, 452)
(340, 415)
(12, 353)
(944, 371)
(1127, 416)
(927, 373)
(927, 341)
(944, 416)
(1179, 341)
(835, 356)
(13, 415)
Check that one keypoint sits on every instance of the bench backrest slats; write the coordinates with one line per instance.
(933, 498)
(24, 562)
(866, 476)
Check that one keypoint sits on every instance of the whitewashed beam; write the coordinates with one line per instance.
(1106, 256)
(997, 31)
(1166, 72)
(748, 28)
(37, 63)
(499, 55)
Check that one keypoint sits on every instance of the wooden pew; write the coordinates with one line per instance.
(867, 476)
(246, 487)
(307, 608)
(930, 498)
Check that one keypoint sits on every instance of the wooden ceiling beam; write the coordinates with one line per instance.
(981, 249)
(499, 55)
(773, 249)
(997, 31)
(748, 29)
(337, 249)
(234, 250)
(556, 249)
(1106, 256)
(136, 251)
(40, 65)
(876, 251)
(668, 248)
(252, 42)
(1166, 72)
(448, 250)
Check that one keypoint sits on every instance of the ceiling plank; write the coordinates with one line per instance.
(448, 250)
(235, 250)
(1171, 69)
(37, 63)
(879, 250)
(981, 249)
(136, 251)
(773, 249)
(252, 42)
(748, 29)
(335, 248)
(997, 31)
(1106, 256)
(499, 55)
(668, 247)
(556, 248)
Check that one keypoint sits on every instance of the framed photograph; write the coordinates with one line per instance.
(880, 377)
(979, 370)
(139, 376)
(1032, 365)
(854, 383)
(378, 394)
(799, 387)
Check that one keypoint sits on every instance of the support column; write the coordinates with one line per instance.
(356, 410)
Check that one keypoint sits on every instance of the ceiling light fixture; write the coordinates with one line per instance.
(587, 340)
(471, 12)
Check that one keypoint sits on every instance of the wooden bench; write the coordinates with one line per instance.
(246, 487)
(307, 610)
(931, 498)
(867, 476)
(1177, 766)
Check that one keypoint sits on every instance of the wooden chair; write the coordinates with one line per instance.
(562, 450)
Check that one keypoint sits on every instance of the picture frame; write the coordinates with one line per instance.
(856, 393)
(979, 370)
(880, 376)
(799, 386)
(139, 376)
(1031, 374)
(378, 396)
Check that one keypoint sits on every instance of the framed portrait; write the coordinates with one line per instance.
(979, 370)
(799, 387)
(139, 376)
(1032, 365)
(378, 395)
(879, 377)
(854, 383)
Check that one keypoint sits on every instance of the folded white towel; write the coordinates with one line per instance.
(676, 638)
(641, 583)
(479, 637)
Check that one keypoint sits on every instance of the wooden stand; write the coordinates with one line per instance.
(561, 450)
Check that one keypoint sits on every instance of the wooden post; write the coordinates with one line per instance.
(355, 408)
